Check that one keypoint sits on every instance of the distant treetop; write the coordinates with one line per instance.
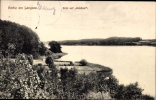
(55, 47)
(107, 41)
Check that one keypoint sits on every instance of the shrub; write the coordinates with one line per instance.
(48, 52)
(71, 63)
(30, 58)
(146, 96)
(49, 60)
(36, 56)
(42, 49)
(83, 62)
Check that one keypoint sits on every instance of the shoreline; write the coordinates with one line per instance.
(113, 45)
(59, 55)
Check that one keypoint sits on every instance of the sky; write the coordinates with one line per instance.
(99, 19)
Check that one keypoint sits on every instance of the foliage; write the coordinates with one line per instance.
(108, 41)
(71, 63)
(99, 95)
(30, 59)
(146, 97)
(131, 91)
(20, 79)
(48, 53)
(55, 47)
(83, 62)
(15, 38)
(36, 55)
(49, 60)
(42, 49)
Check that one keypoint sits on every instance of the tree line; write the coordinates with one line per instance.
(16, 38)
(108, 41)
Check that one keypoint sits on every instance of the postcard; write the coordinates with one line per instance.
(77, 50)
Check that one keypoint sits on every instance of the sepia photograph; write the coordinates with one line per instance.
(77, 50)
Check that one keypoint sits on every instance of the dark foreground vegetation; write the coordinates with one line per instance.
(116, 41)
(20, 78)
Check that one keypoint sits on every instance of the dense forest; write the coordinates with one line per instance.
(110, 41)
(15, 38)
(21, 39)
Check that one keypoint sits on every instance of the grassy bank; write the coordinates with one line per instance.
(59, 55)
(90, 67)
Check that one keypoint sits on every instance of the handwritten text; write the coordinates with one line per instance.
(42, 7)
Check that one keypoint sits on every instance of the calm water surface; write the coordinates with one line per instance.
(130, 64)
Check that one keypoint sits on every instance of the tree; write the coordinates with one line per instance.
(83, 62)
(64, 76)
(131, 91)
(55, 47)
(72, 74)
(48, 53)
(23, 38)
(10, 50)
(49, 60)
(146, 97)
(30, 59)
(42, 49)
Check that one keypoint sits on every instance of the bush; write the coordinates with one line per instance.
(146, 96)
(83, 62)
(36, 56)
(49, 60)
(42, 49)
(71, 63)
(30, 58)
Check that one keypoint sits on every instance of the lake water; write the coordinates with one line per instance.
(130, 64)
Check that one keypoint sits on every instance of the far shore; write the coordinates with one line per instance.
(112, 45)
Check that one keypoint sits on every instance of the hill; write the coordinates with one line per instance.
(16, 38)
(111, 41)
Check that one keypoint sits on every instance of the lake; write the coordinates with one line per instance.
(130, 64)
